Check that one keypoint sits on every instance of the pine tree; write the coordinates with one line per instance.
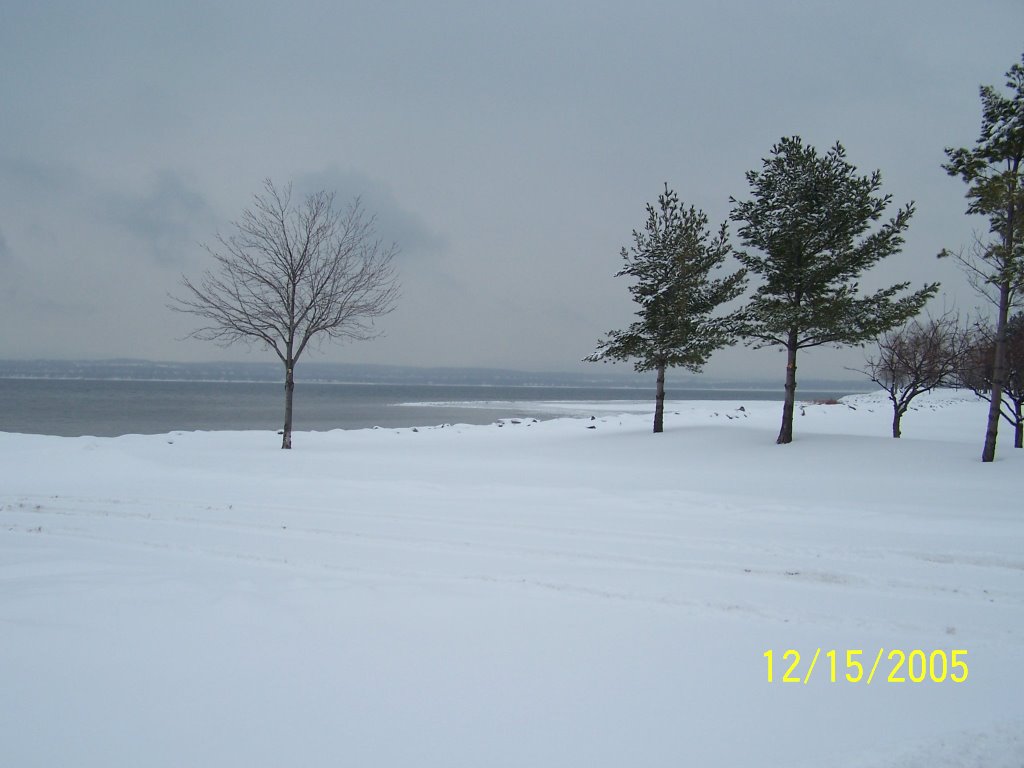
(809, 218)
(671, 263)
(995, 181)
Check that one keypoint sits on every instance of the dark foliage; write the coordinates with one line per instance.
(810, 219)
(671, 263)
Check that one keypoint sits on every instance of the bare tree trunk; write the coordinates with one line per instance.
(294, 275)
(1018, 430)
(897, 414)
(659, 401)
(998, 374)
(786, 433)
(289, 389)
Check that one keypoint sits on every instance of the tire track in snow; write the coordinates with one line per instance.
(700, 559)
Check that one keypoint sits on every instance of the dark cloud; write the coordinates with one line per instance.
(169, 219)
(166, 219)
(394, 223)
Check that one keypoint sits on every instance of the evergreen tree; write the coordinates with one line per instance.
(995, 187)
(671, 263)
(809, 218)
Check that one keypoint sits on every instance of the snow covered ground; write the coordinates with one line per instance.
(572, 592)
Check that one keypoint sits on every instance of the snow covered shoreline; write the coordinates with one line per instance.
(566, 592)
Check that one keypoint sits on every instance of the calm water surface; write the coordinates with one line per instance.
(75, 407)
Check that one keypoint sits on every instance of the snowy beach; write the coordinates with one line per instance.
(570, 592)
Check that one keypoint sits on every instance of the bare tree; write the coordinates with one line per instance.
(917, 358)
(292, 275)
(978, 367)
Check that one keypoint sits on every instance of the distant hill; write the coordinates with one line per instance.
(313, 371)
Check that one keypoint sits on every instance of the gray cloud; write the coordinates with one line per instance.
(169, 218)
(166, 216)
(394, 223)
(508, 149)
(32, 178)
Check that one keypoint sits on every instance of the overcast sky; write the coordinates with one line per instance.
(508, 148)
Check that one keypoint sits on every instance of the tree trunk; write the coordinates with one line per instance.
(786, 433)
(1005, 282)
(659, 401)
(289, 389)
(995, 404)
(1018, 430)
(897, 414)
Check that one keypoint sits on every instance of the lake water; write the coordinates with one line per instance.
(75, 407)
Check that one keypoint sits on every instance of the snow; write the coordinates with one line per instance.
(535, 594)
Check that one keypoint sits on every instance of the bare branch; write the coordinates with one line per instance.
(978, 368)
(291, 274)
(917, 358)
